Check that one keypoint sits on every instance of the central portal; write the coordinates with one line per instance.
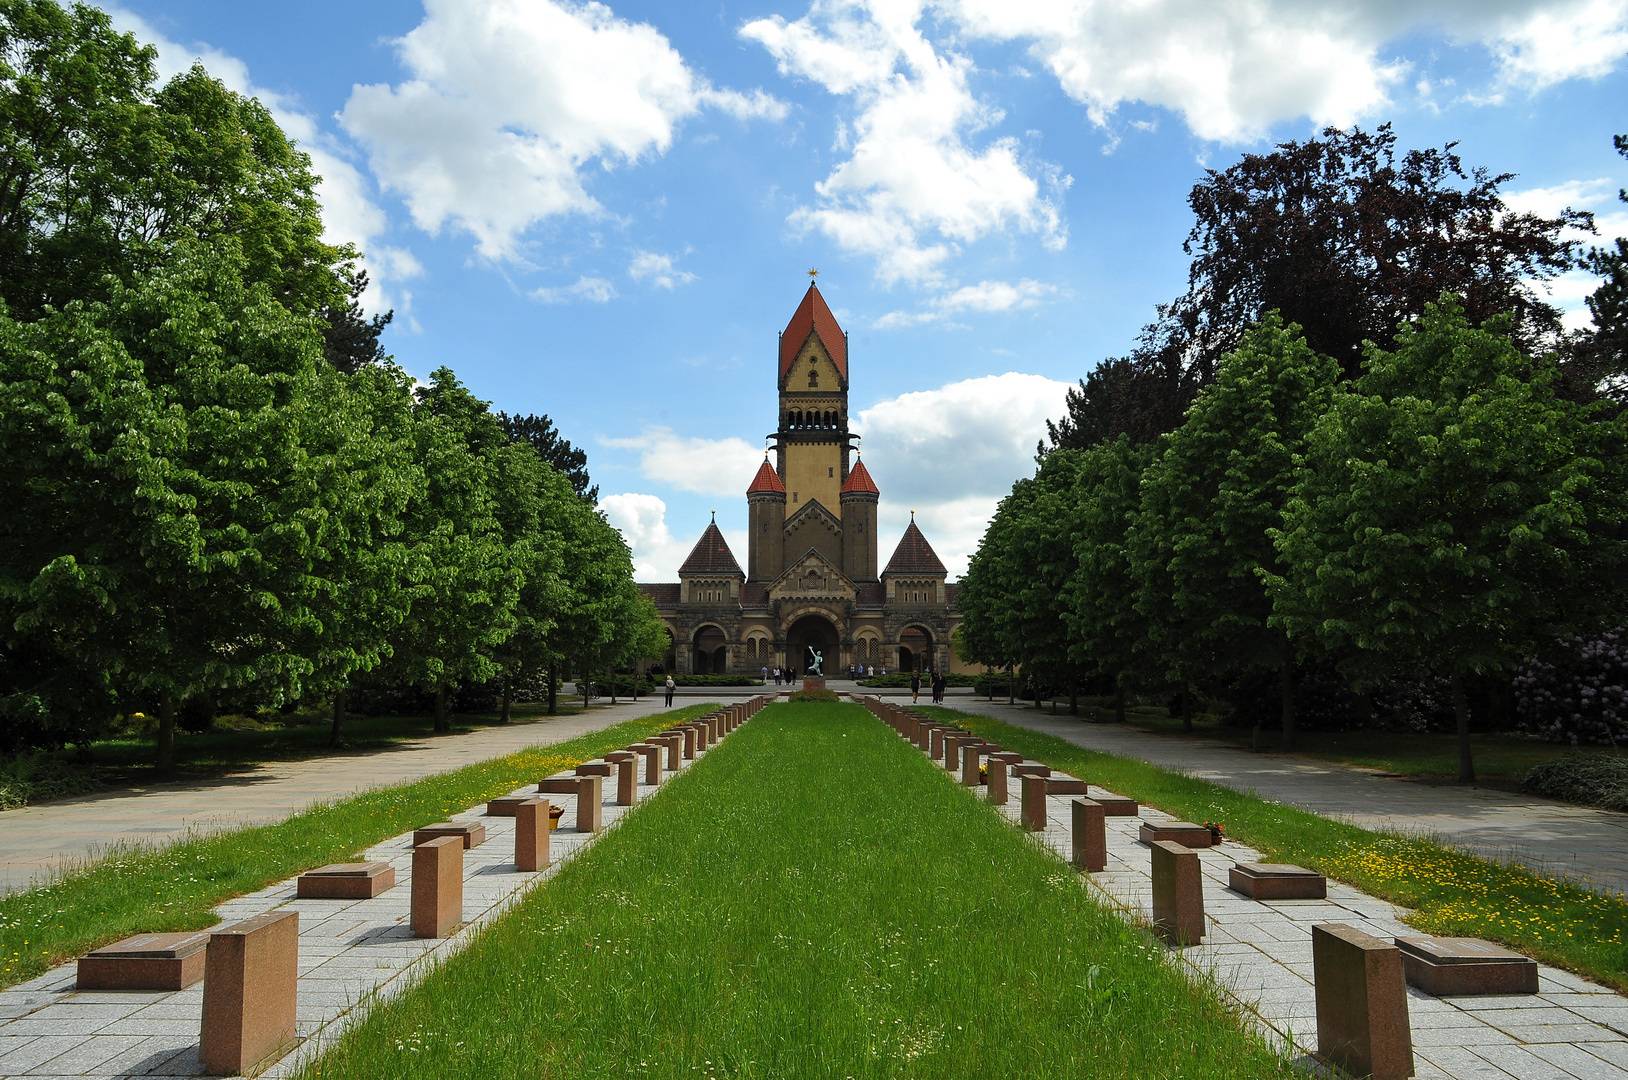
(808, 635)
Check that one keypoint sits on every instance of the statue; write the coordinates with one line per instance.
(815, 659)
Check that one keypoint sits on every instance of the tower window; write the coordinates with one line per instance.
(831, 471)
(813, 375)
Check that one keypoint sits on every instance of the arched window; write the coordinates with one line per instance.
(813, 376)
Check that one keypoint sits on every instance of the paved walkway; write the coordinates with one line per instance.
(1558, 839)
(353, 955)
(34, 840)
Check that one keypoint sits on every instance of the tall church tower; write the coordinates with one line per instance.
(811, 497)
(813, 438)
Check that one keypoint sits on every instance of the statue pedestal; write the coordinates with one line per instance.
(813, 682)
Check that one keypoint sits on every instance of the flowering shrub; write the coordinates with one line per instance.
(1578, 693)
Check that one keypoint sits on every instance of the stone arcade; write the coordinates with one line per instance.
(812, 582)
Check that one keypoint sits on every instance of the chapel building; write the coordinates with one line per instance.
(812, 583)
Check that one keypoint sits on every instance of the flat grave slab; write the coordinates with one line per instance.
(146, 962)
(503, 805)
(1184, 833)
(1114, 805)
(559, 784)
(346, 881)
(473, 833)
(1277, 881)
(1066, 785)
(1031, 768)
(594, 768)
(616, 757)
(1450, 967)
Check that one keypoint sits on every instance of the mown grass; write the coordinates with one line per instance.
(1451, 891)
(814, 899)
(136, 889)
(1501, 759)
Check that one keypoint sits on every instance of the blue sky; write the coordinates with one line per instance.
(605, 213)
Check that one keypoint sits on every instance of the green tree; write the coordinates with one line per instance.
(1209, 502)
(1100, 611)
(102, 172)
(463, 608)
(167, 523)
(1454, 512)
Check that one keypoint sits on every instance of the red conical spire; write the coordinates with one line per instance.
(859, 479)
(766, 480)
(812, 316)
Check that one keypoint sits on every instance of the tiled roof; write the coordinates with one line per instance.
(914, 555)
(951, 592)
(859, 479)
(755, 595)
(870, 594)
(711, 555)
(812, 314)
(662, 594)
(766, 480)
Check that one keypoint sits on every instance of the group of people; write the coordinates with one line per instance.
(937, 684)
(780, 675)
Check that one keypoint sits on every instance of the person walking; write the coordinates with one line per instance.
(915, 686)
(671, 686)
(938, 688)
(765, 674)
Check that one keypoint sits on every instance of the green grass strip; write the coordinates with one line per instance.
(1452, 892)
(136, 889)
(813, 899)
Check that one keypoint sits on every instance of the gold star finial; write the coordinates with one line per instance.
(813, 272)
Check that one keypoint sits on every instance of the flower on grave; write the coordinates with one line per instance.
(1215, 830)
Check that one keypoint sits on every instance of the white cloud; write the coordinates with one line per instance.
(913, 189)
(986, 296)
(1232, 70)
(349, 214)
(1570, 290)
(708, 466)
(657, 553)
(508, 102)
(594, 289)
(658, 270)
(951, 454)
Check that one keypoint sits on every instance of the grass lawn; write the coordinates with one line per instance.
(1453, 893)
(1501, 760)
(814, 899)
(213, 751)
(149, 890)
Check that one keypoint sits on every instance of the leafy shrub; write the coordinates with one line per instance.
(813, 695)
(623, 686)
(31, 778)
(1593, 779)
(717, 680)
(902, 679)
(1578, 692)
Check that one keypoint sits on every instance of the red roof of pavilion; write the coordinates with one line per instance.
(914, 555)
(813, 316)
(766, 480)
(859, 479)
(711, 555)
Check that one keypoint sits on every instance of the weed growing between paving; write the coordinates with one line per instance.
(138, 890)
(814, 899)
(1452, 892)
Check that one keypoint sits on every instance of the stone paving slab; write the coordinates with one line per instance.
(353, 955)
(42, 838)
(1259, 954)
(1560, 840)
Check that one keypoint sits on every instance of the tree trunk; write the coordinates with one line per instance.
(337, 733)
(166, 731)
(1186, 711)
(635, 685)
(1011, 686)
(991, 684)
(441, 708)
(613, 685)
(1037, 695)
(1461, 710)
(1286, 680)
(553, 689)
(503, 717)
(1073, 697)
(587, 686)
(1119, 703)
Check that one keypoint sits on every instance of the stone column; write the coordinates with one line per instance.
(1178, 893)
(1034, 803)
(590, 803)
(1090, 835)
(627, 782)
(531, 834)
(251, 979)
(1362, 1003)
(438, 886)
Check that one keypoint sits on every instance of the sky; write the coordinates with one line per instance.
(605, 213)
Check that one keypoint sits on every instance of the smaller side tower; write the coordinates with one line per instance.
(859, 499)
(766, 515)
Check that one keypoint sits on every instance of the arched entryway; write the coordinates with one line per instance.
(915, 649)
(711, 652)
(669, 656)
(810, 634)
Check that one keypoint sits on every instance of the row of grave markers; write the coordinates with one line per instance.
(250, 968)
(1360, 980)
